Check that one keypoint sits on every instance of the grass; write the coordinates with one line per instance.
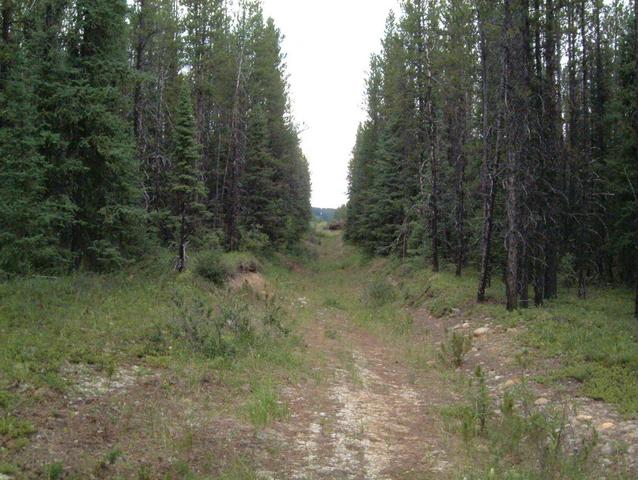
(594, 340)
(245, 347)
(510, 438)
(264, 406)
(182, 324)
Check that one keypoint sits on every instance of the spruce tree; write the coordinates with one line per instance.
(188, 190)
(30, 219)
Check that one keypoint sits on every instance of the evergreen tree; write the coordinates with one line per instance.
(29, 218)
(187, 188)
(553, 142)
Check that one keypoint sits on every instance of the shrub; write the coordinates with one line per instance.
(212, 332)
(209, 265)
(379, 292)
(254, 240)
(241, 262)
(454, 348)
(199, 329)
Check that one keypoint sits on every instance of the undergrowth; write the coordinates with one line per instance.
(513, 439)
(595, 340)
(146, 315)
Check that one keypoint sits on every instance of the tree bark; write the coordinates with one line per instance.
(434, 174)
(489, 167)
(585, 157)
(516, 66)
(460, 162)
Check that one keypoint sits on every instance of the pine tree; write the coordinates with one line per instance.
(86, 137)
(187, 188)
(29, 218)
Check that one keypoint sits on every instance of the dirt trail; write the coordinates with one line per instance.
(365, 418)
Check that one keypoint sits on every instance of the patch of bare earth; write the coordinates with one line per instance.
(156, 421)
(364, 419)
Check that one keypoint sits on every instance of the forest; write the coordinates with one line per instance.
(172, 307)
(503, 135)
(128, 126)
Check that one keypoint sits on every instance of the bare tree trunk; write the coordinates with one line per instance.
(585, 180)
(489, 168)
(511, 239)
(523, 284)
(636, 137)
(460, 162)
(181, 247)
(434, 175)
(232, 172)
(516, 49)
(546, 276)
(434, 198)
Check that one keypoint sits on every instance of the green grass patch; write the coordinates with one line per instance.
(264, 405)
(596, 340)
(520, 441)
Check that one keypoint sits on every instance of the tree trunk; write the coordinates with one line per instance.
(583, 244)
(434, 203)
(516, 57)
(489, 168)
(546, 287)
(460, 162)
(434, 197)
(511, 242)
(181, 247)
(636, 139)
(234, 165)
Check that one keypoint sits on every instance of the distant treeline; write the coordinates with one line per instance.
(504, 134)
(328, 214)
(127, 126)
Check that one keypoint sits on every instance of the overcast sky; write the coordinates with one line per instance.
(328, 45)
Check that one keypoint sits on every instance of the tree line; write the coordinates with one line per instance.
(157, 122)
(504, 135)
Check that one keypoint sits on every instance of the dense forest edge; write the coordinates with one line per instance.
(503, 136)
(128, 127)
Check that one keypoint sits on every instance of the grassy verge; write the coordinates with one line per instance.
(595, 340)
(150, 318)
(511, 438)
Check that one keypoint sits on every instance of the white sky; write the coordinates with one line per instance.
(328, 45)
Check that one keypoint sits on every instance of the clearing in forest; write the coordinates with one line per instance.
(347, 376)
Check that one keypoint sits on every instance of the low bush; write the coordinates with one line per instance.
(233, 325)
(211, 331)
(241, 262)
(209, 265)
(379, 292)
(519, 441)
